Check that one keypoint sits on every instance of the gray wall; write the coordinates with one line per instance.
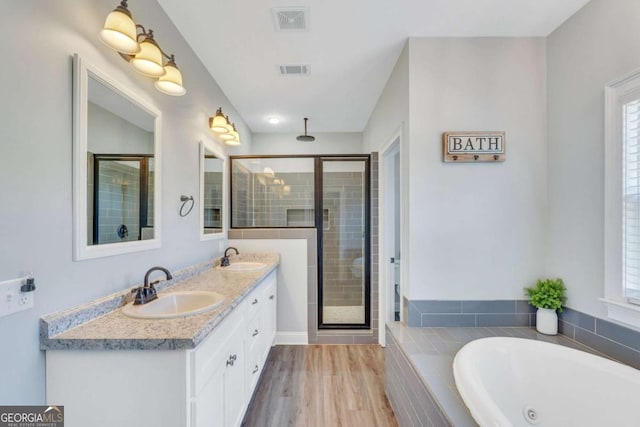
(598, 44)
(477, 230)
(325, 143)
(36, 167)
(488, 218)
(110, 134)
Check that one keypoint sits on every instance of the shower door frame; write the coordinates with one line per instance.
(143, 198)
(318, 224)
(319, 210)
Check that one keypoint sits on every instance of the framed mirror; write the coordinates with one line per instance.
(213, 192)
(116, 167)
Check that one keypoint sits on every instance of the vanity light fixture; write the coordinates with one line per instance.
(122, 34)
(226, 130)
(235, 137)
(218, 123)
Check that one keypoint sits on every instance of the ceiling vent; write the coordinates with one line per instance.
(294, 70)
(290, 18)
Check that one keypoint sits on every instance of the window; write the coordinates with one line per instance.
(631, 199)
(622, 200)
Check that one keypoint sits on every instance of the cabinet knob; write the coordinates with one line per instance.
(232, 359)
(254, 302)
(272, 296)
(256, 369)
(255, 332)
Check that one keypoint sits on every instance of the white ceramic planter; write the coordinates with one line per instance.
(547, 321)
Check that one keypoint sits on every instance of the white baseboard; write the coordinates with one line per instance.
(292, 338)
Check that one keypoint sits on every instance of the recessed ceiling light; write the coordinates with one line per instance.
(273, 120)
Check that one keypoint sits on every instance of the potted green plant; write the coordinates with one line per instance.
(548, 296)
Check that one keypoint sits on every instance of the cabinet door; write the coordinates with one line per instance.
(209, 405)
(234, 382)
(269, 314)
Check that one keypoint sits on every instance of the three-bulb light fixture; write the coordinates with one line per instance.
(137, 46)
(226, 130)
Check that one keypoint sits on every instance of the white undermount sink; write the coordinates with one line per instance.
(243, 266)
(175, 304)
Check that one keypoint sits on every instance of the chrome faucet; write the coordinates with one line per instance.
(224, 261)
(147, 292)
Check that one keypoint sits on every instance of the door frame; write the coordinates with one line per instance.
(386, 230)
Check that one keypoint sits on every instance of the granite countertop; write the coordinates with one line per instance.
(100, 324)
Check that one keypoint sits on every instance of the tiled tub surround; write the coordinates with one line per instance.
(466, 313)
(419, 375)
(612, 339)
(100, 324)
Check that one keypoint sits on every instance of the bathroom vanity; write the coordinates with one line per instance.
(189, 371)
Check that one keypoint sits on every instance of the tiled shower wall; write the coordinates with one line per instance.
(258, 202)
(343, 239)
(213, 199)
(119, 195)
(241, 196)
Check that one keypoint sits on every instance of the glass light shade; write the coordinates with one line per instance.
(226, 136)
(119, 32)
(218, 123)
(232, 142)
(171, 82)
(149, 60)
(235, 137)
(230, 127)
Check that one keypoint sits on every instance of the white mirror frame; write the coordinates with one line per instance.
(81, 251)
(213, 148)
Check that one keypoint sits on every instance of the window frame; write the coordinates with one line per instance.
(617, 94)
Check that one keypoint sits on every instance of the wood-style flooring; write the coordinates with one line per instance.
(322, 386)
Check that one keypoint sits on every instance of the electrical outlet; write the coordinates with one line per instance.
(12, 299)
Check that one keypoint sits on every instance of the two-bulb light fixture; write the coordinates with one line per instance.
(226, 130)
(137, 46)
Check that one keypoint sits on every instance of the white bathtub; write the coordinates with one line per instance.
(520, 382)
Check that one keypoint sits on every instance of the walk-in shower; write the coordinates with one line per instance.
(328, 193)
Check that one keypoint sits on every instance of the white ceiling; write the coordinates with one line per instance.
(351, 47)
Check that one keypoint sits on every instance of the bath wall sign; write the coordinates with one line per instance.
(463, 147)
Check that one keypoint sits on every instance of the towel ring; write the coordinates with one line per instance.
(185, 199)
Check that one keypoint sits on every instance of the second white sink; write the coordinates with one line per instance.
(175, 304)
(243, 266)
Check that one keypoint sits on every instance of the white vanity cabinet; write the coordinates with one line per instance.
(217, 369)
(261, 329)
(209, 386)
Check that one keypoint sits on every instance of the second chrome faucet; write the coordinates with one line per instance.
(224, 261)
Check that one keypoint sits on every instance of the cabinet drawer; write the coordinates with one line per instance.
(254, 368)
(214, 351)
(254, 302)
(259, 297)
(255, 334)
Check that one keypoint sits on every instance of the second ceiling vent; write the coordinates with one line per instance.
(290, 18)
(294, 70)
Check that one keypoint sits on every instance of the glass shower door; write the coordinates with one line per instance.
(344, 287)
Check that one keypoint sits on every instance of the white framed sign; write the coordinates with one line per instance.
(464, 147)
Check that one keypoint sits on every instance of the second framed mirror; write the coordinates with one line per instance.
(213, 192)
